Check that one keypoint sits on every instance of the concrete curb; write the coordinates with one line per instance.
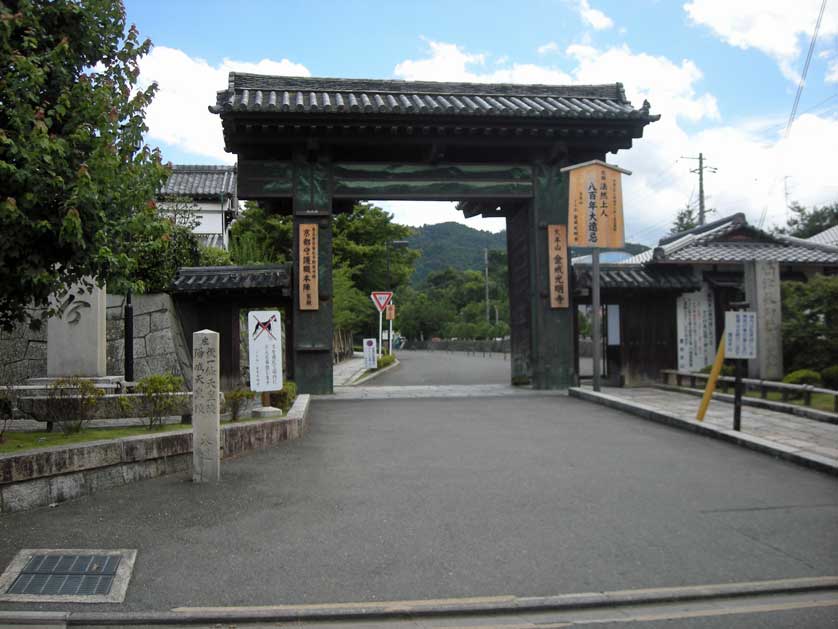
(375, 374)
(769, 405)
(794, 455)
(365, 611)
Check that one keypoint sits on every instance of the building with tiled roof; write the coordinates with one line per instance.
(667, 304)
(826, 237)
(211, 190)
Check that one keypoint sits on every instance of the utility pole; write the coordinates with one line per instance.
(700, 170)
(486, 268)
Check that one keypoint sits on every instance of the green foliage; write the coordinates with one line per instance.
(803, 376)
(157, 245)
(261, 237)
(284, 398)
(810, 323)
(213, 256)
(73, 163)
(829, 377)
(235, 399)
(70, 403)
(351, 309)
(452, 245)
(160, 397)
(385, 360)
(804, 222)
(728, 371)
(685, 220)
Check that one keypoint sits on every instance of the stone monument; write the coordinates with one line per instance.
(762, 292)
(206, 408)
(76, 341)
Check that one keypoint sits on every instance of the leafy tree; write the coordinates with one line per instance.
(261, 237)
(810, 323)
(685, 220)
(73, 163)
(351, 309)
(803, 223)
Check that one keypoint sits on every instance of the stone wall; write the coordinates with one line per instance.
(23, 354)
(159, 346)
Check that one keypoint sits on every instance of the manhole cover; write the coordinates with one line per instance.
(68, 575)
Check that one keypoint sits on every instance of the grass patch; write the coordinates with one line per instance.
(20, 441)
(820, 401)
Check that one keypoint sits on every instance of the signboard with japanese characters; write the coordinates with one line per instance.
(390, 312)
(740, 334)
(696, 326)
(557, 251)
(307, 263)
(370, 354)
(264, 335)
(595, 209)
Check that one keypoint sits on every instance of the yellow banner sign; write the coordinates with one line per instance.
(390, 312)
(595, 211)
(307, 266)
(557, 247)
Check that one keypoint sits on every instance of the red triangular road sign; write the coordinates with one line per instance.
(381, 299)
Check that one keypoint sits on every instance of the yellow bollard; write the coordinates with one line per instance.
(711, 381)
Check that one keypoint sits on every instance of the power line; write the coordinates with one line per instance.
(700, 170)
(802, 81)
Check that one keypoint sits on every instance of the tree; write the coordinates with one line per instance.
(684, 221)
(810, 323)
(804, 223)
(352, 310)
(261, 237)
(73, 164)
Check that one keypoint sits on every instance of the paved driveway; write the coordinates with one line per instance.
(398, 499)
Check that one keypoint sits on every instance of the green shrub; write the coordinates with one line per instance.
(160, 397)
(803, 376)
(213, 256)
(386, 360)
(235, 399)
(727, 370)
(829, 377)
(70, 403)
(284, 398)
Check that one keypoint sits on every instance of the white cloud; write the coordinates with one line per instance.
(549, 47)
(594, 18)
(777, 28)
(178, 114)
(752, 157)
(832, 71)
(418, 213)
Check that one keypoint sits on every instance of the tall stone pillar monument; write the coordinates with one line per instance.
(76, 341)
(762, 291)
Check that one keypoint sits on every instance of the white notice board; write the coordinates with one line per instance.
(264, 343)
(740, 334)
(370, 354)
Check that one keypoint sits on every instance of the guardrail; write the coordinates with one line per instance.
(763, 386)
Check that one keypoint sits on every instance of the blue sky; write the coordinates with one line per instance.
(722, 74)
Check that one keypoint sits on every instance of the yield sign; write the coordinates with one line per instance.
(381, 299)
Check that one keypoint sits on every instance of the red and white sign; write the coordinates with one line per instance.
(381, 299)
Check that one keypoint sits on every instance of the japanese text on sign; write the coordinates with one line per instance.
(740, 334)
(205, 386)
(307, 264)
(595, 216)
(370, 354)
(264, 336)
(557, 248)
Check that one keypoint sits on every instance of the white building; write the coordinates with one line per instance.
(213, 191)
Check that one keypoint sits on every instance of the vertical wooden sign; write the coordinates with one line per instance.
(595, 211)
(307, 265)
(557, 248)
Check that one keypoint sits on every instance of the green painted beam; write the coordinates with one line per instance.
(258, 179)
(442, 189)
(445, 172)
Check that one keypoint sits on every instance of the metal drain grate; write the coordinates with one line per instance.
(67, 575)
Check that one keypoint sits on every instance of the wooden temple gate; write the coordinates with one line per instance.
(313, 147)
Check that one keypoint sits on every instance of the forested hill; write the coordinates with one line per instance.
(451, 245)
(461, 247)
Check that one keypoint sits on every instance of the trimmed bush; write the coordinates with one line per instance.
(386, 360)
(159, 397)
(803, 376)
(284, 398)
(829, 377)
(727, 370)
(235, 399)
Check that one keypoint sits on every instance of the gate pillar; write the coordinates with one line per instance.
(311, 334)
(552, 339)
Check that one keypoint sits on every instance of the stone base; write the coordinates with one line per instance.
(266, 412)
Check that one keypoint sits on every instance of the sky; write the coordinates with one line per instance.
(722, 74)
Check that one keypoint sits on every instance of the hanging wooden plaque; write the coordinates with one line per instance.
(557, 248)
(307, 265)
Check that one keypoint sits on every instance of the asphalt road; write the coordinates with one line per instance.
(406, 499)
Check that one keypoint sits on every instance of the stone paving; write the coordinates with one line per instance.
(434, 391)
(800, 433)
(348, 371)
